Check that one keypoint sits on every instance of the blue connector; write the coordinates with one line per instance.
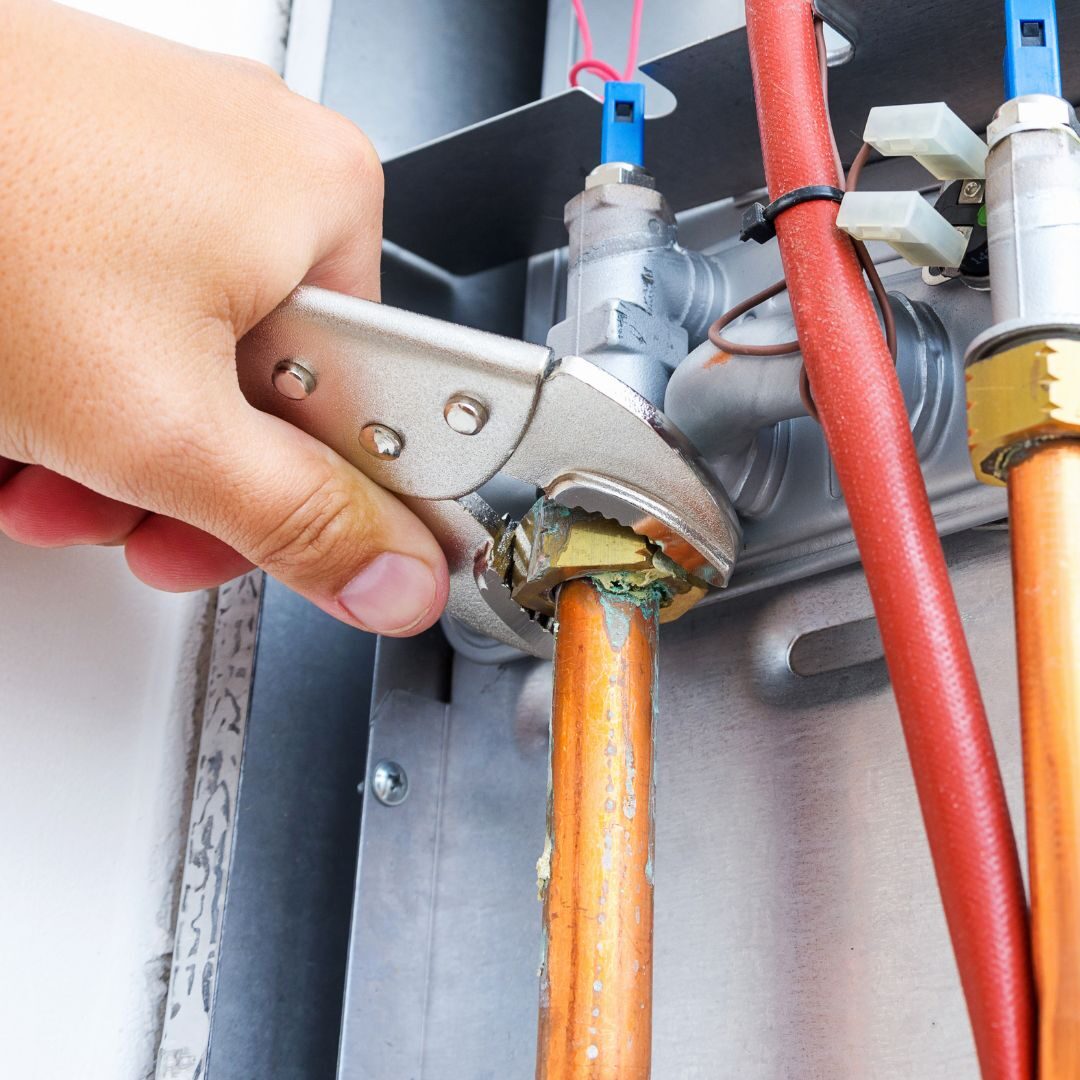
(1032, 63)
(623, 133)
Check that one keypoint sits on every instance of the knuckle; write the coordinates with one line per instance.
(322, 533)
(17, 439)
(257, 69)
(354, 162)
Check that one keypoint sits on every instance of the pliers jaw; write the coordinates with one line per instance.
(562, 425)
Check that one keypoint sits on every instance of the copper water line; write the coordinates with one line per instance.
(1044, 518)
(596, 984)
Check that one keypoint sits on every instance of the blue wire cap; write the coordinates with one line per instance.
(623, 133)
(1032, 64)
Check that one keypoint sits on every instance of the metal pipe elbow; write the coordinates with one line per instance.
(721, 401)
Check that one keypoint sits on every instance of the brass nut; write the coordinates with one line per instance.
(1019, 398)
(553, 544)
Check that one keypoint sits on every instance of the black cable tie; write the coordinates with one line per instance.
(759, 221)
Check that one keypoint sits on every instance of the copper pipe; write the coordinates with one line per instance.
(596, 984)
(1044, 516)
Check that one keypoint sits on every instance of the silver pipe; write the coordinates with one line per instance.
(1033, 222)
(636, 302)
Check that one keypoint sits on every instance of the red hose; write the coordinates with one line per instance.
(866, 425)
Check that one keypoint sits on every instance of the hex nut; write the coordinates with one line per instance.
(1029, 112)
(1021, 397)
(619, 172)
(553, 544)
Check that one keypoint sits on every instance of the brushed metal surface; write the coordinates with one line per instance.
(804, 527)
(281, 972)
(798, 927)
(636, 300)
(442, 976)
(1033, 222)
(382, 379)
(375, 366)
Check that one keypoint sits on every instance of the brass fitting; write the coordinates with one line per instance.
(553, 544)
(1019, 398)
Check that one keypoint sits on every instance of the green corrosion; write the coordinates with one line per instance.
(620, 590)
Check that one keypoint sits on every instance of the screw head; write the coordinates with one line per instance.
(973, 188)
(389, 784)
(293, 380)
(465, 414)
(381, 441)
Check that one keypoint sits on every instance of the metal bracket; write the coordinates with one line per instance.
(520, 168)
(567, 427)
(844, 16)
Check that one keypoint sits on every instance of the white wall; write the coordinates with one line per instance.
(97, 693)
(98, 685)
(252, 28)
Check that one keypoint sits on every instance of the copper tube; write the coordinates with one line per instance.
(596, 984)
(1044, 516)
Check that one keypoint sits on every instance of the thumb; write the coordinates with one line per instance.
(296, 509)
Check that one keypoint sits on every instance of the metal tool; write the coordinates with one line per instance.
(432, 411)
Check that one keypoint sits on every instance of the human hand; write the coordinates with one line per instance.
(155, 203)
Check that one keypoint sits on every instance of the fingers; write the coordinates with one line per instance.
(8, 469)
(42, 508)
(290, 505)
(176, 557)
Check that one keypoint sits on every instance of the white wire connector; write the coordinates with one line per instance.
(905, 220)
(932, 134)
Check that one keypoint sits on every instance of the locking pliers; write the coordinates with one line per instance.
(432, 411)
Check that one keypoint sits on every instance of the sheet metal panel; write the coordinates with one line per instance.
(798, 926)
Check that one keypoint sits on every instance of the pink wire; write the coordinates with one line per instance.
(599, 67)
(635, 40)
(583, 27)
(594, 67)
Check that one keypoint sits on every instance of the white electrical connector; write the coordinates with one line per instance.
(905, 220)
(932, 134)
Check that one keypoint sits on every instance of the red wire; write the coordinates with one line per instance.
(866, 425)
(600, 67)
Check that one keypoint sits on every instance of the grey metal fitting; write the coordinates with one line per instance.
(1033, 223)
(722, 401)
(733, 407)
(636, 301)
(1031, 112)
(619, 172)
